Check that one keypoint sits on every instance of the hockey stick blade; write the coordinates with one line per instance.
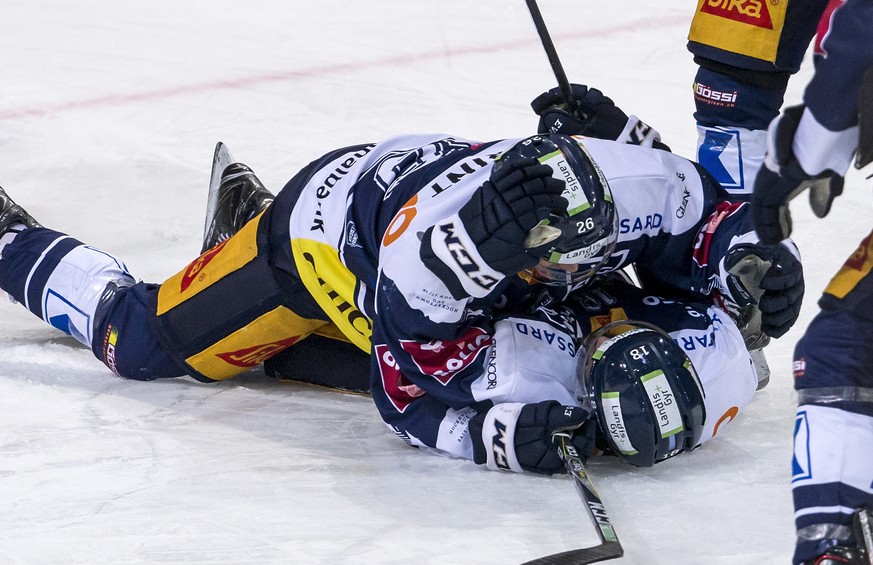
(609, 547)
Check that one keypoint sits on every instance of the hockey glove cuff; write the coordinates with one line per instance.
(594, 115)
(518, 437)
(484, 241)
(783, 177)
(520, 193)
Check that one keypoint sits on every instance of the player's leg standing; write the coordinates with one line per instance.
(833, 440)
(746, 52)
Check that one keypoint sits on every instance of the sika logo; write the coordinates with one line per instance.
(199, 263)
(751, 12)
(251, 356)
(861, 255)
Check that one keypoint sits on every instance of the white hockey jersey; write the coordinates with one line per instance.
(438, 358)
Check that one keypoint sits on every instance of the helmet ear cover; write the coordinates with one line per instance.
(575, 243)
(646, 394)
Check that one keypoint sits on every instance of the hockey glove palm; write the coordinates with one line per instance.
(519, 437)
(782, 178)
(766, 283)
(520, 193)
(594, 115)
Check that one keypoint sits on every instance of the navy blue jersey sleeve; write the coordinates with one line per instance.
(841, 58)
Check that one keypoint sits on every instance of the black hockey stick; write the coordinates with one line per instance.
(546, 39)
(865, 121)
(609, 547)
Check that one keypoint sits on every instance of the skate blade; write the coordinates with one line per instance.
(220, 161)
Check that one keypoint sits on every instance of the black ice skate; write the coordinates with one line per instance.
(235, 197)
(859, 554)
(12, 214)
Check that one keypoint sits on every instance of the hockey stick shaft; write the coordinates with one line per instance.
(865, 121)
(551, 53)
(609, 547)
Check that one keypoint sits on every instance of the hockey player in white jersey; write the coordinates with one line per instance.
(606, 342)
(413, 249)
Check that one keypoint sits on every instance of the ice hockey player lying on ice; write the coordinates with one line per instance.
(433, 253)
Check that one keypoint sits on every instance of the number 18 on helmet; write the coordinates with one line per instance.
(647, 395)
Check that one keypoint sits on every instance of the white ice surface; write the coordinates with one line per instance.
(109, 112)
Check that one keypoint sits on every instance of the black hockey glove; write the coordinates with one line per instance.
(766, 283)
(520, 193)
(519, 437)
(782, 178)
(593, 114)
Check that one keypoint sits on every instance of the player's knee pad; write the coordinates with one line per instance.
(228, 310)
(61, 280)
(732, 117)
(126, 340)
(746, 52)
(831, 474)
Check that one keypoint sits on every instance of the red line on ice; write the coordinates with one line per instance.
(324, 70)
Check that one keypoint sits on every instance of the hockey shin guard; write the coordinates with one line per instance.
(59, 279)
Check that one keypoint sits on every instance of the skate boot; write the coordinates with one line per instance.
(12, 214)
(859, 554)
(841, 555)
(235, 197)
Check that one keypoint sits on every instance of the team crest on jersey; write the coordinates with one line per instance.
(352, 235)
(400, 391)
(251, 356)
(751, 12)
(196, 267)
(443, 359)
(394, 166)
(723, 210)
